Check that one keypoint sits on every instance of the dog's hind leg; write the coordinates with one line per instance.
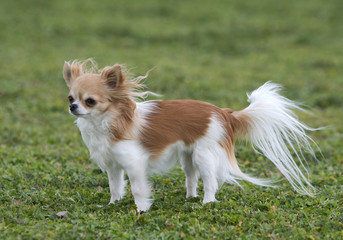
(204, 160)
(191, 174)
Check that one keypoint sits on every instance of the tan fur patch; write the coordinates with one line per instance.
(121, 127)
(176, 120)
(242, 123)
(231, 126)
(90, 84)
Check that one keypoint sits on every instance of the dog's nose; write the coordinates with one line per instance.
(73, 107)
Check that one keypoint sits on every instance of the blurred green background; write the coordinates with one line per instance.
(213, 51)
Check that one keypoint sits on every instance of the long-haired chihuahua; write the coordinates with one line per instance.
(139, 138)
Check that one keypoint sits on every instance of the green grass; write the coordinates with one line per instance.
(207, 50)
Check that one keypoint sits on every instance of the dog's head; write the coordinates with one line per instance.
(93, 93)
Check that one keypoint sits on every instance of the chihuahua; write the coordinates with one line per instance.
(139, 138)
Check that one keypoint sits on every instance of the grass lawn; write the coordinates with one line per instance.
(213, 51)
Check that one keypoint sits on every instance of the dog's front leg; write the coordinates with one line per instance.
(140, 188)
(116, 183)
(134, 160)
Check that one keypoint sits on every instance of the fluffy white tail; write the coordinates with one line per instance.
(273, 129)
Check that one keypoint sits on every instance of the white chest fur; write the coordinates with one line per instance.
(97, 138)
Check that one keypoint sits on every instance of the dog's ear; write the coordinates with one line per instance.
(72, 71)
(113, 76)
(67, 73)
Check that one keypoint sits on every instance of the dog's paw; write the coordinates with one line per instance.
(210, 201)
(143, 205)
(115, 199)
(193, 195)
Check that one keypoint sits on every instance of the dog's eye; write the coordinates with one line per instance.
(90, 102)
(71, 99)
